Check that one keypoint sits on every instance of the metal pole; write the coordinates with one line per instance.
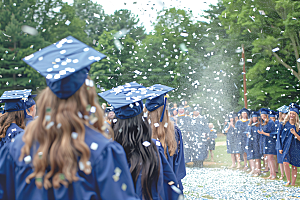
(244, 77)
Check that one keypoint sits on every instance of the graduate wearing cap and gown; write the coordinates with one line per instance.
(30, 109)
(80, 164)
(199, 147)
(269, 135)
(145, 155)
(253, 145)
(211, 136)
(232, 142)
(15, 104)
(241, 126)
(283, 111)
(165, 131)
(289, 143)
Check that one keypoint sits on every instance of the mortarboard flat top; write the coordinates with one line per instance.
(15, 100)
(14, 95)
(157, 98)
(125, 94)
(64, 64)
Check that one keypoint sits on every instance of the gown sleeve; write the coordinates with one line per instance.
(7, 167)
(179, 162)
(278, 142)
(168, 174)
(114, 175)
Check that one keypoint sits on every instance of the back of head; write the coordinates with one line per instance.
(60, 132)
(134, 134)
(164, 131)
(9, 117)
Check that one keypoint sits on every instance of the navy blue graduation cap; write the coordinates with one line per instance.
(16, 100)
(264, 111)
(244, 110)
(158, 99)
(30, 102)
(294, 107)
(126, 99)
(65, 65)
(255, 114)
(272, 113)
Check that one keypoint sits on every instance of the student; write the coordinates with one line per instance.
(198, 142)
(283, 110)
(241, 126)
(12, 122)
(253, 146)
(269, 141)
(151, 172)
(232, 142)
(289, 143)
(165, 131)
(61, 155)
(211, 136)
(30, 109)
(272, 115)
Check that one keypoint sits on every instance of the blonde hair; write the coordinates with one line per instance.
(251, 122)
(287, 118)
(166, 135)
(266, 122)
(57, 148)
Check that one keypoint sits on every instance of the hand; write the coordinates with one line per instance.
(260, 132)
(293, 131)
(247, 135)
(280, 151)
(208, 138)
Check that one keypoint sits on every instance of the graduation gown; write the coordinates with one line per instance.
(253, 145)
(196, 144)
(105, 159)
(269, 142)
(212, 135)
(241, 127)
(177, 161)
(28, 119)
(289, 144)
(12, 131)
(279, 155)
(167, 178)
(232, 141)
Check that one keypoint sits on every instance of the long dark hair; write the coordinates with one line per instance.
(7, 118)
(131, 133)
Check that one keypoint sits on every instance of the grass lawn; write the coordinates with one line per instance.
(223, 159)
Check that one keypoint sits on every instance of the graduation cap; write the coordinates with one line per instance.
(255, 114)
(160, 98)
(15, 100)
(64, 64)
(294, 107)
(264, 111)
(30, 102)
(244, 110)
(126, 99)
(272, 113)
(283, 109)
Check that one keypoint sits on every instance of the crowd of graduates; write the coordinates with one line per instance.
(60, 145)
(265, 135)
(198, 134)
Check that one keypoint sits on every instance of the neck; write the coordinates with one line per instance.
(14, 121)
(292, 121)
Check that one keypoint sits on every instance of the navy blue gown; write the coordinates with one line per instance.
(241, 127)
(105, 159)
(277, 128)
(177, 161)
(254, 140)
(269, 142)
(212, 135)
(167, 178)
(28, 119)
(289, 144)
(232, 141)
(12, 131)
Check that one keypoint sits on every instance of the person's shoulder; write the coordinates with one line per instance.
(99, 144)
